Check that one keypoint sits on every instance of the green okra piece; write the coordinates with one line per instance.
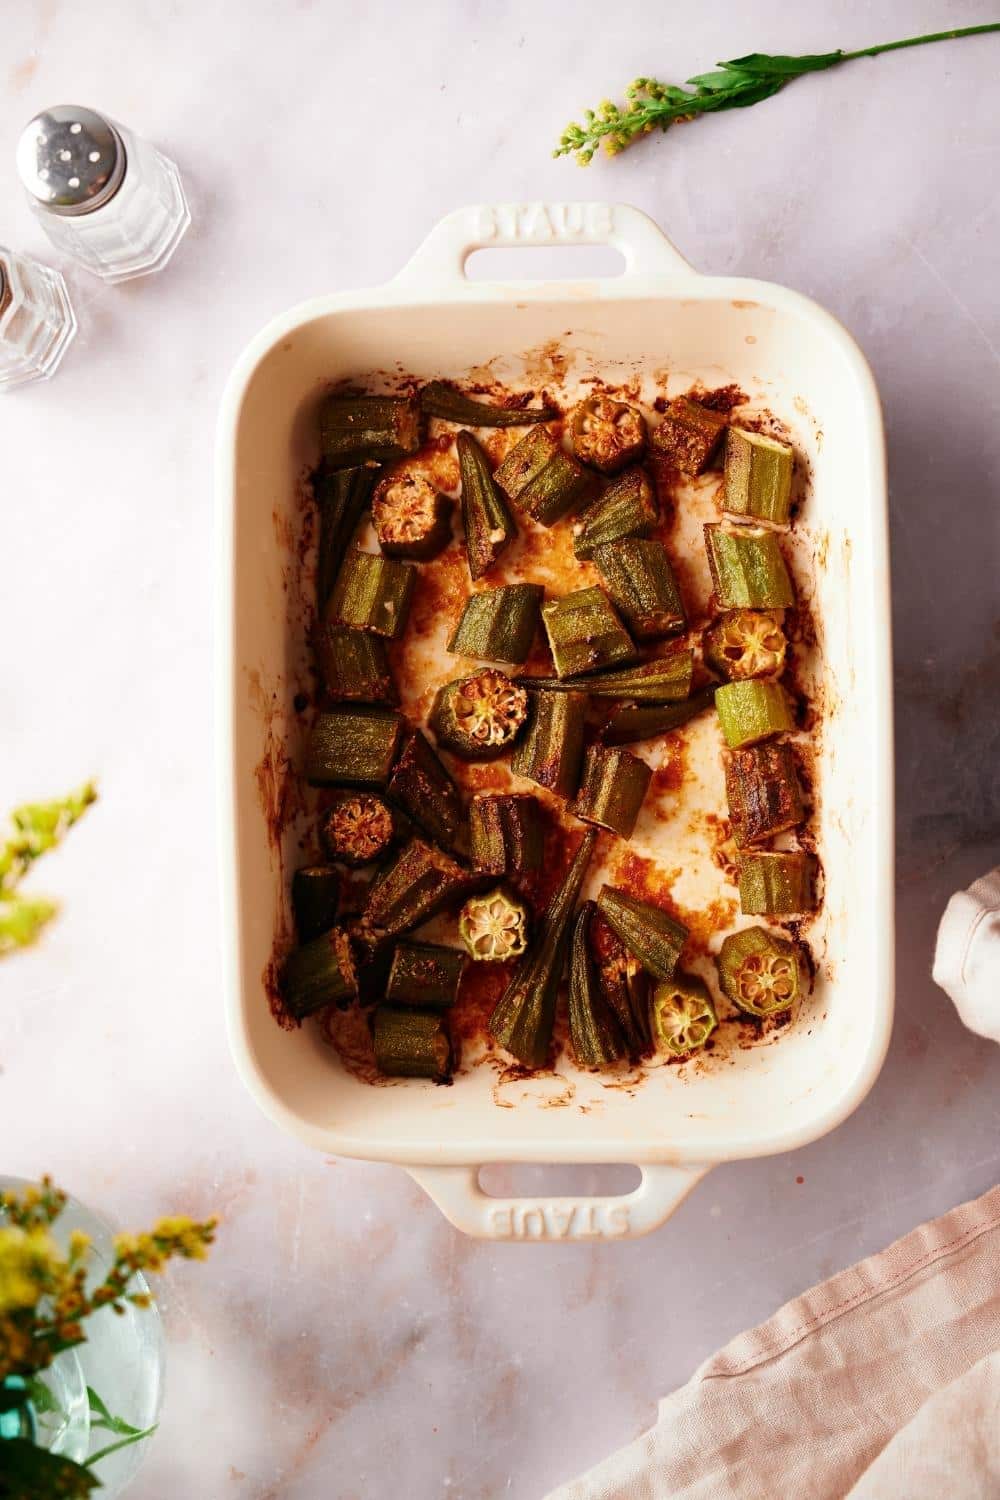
(665, 679)
(488, 524)
(420, 881)
(758, 972)
(638, 576)
(524, 1015)
(412, 1044)
(499, 624)
(777, 884)
(627, 508)
(757, 480)
(607, 434)
(552, 747)
(651, 934)
(410, 517)
(585, 633)
(683, 1015)
(315, 897)
(357, 827)
(746, 643)
(421, 786)
(355, 746)
(368, 429)
(318, 974)
(762, 787)
(494, 926)
(543, 479)
(342, 497)
(593, 1027)
(372, 593)
(506, 836)
(479, 717)
(689, 435)
(354, 665)
(627, 723)
(748, 568)
(612, 789)
(438, 398)
(425, 974)
(753, 710)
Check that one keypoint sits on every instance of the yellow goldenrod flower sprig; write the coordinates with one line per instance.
(36, 827)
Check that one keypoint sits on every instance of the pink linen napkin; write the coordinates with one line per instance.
(809, 1401)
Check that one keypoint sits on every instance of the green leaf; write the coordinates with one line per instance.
(28, 1472)
(763, 65)
(126, 1442)
(112, 1424)
(40, 1396)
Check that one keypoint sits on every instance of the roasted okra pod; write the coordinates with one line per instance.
(683, 1015)
(543, 479)
(357, 828)
(421, 786)
(412, 1044)
(440, 399)
(420, 881)
(638, 576)
(505, 834)
(354, 665)
(318, 974)
(746, 643)
(315, 897)
(777, 884)
(762, 787)
(372, 593)
(424, 974)
(342, 497)
(494, 926)
(410, 517)
(753, 710)
(585, 633)
(524, 1015)
(624, 984)
(479, 717)
(627, 723)
(748, 568)
(499, 624)
(550, 751)
(759, 972)
(650, 933)
(612, 789)
(608, 434)
(354, 746)
(593, 1028)
(688, 436)
(665, 679)
(488, 524)
(627, 508)
(758, 477)
(368, 429)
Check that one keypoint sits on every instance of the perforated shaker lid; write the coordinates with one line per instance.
(71, 159)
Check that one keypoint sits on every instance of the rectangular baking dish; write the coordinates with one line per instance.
(432, 320)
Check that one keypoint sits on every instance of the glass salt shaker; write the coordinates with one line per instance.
(37, 322)
(102, 194)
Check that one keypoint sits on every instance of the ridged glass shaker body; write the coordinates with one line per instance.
(103, 195)
(37, 322)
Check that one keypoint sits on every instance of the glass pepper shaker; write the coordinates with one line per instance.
(102, 194)
(37, 322)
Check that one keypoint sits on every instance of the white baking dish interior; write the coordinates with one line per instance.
(431, 321)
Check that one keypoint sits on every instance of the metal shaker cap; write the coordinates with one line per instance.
(71, 160)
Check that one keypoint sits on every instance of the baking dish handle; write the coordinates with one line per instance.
(458, 1195)
(644, 246)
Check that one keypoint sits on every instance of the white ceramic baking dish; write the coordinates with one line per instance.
(432, 320)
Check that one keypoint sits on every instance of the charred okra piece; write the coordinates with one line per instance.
(315, 895)
(666, 679)
(627, 723)
(354, 665)
(585, 633)
(748, 568)
(550, 751)
(523, 1018)
(411, 518)
(608, 434)
(421, 786)
(357, 828)
(419, 882)
(638, 576)
(372, 593)
(746, 643)
(593, 1028)
(758, 972)
(412, 1044)
(505, 834)
(683, 1015)
(777, 884)
(368, 429)
(689, 436)
(758, 477)
(627, 508)
(624, 985)
(488, 524)
(648, 932)
(499, 624)
(424, 974)
(762, 786)
(612, 789)
(753, 710)
(353, 746)
(318, 974)
(543, 479)
(342, 497)
(494, 927)
(440, 399)
(479, 717)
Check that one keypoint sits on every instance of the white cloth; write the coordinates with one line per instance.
(967, 961)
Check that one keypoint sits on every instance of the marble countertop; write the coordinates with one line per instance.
(343, 1334)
